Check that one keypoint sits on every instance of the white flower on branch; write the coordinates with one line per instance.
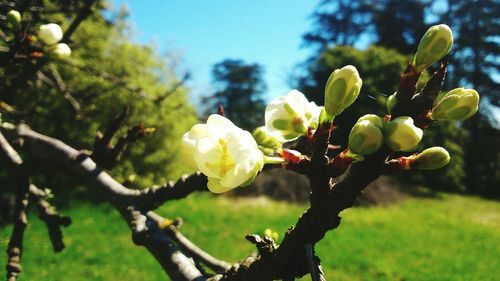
(226, 154)
(291, 116)
(50, 33)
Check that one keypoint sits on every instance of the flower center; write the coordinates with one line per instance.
(226, 163)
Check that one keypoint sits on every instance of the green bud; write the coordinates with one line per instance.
(391, 102)
(271, 234)
(434, 45)
(374, 119)
(264, 138)
(14, 18)
(366, 136)
(60, 50)
(458, 104)
(342, 89)
(431, 159)
(402, 135)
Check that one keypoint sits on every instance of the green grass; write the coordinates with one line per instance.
(452, 238)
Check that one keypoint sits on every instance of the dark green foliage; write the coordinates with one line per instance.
(483, 156)
(106, 74)
(338, 22)
(476, 49)
(452, 176)
(238, 88)
(475, 64)
(390, 23)
(399, 25)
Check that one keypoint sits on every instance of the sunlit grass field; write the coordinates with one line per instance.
(447, 238)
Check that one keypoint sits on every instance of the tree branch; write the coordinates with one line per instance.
(189, 247)
(48, 214)
(152, 198)
(20, 180)
(175, 263)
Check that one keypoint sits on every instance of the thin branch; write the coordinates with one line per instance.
(48, 214)
(63, 89)
(189, 247)
(152, 198)
(20, 180)
(10, 153)
(82, 15)
(15, 247)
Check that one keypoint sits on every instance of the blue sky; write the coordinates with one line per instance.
(208, 31)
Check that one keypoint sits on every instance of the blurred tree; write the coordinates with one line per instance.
(238, 88)
(339, 22)
(75, 98)
(476, 49)
(390, 23)
(476, 64)
(399, 24)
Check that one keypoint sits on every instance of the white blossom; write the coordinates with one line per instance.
(290, 116)
(226, 154)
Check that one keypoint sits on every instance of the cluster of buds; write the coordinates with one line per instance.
(50, 34)
(370, 132)
(232, 157)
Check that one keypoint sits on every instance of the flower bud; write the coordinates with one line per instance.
(268, 142)
(264, 137)
(391, 102)
(434, 45)
(458, 104)
(431, 159)
(402, 135)
(271, 234)
(14, 18)
(374, 119)
(60, 50)
(366, 136)
(50, 33)
(342, 89)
